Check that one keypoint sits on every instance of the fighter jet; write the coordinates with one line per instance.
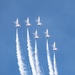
(17, 23)
(38, 22)
(54, 47)
(27, 22)
(36, 35)
(47, 35)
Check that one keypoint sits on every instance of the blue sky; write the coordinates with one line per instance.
(56, 15)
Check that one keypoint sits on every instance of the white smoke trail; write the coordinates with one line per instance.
(49, 60)
(55, 67)
(30, 54)
(19, 56)
(38, 70)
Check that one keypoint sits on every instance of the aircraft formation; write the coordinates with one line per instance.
(28, 24)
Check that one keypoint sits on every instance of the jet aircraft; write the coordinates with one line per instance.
(17, 23)
(47, 34)
(38, 22)
(27, 22)
(54, 47)
(36, 35)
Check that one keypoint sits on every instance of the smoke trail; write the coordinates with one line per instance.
(38, 70)
(55, 67)
(19, 56)
(30, 54)
(49, 60)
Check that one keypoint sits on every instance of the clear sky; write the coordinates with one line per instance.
(56, 15)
